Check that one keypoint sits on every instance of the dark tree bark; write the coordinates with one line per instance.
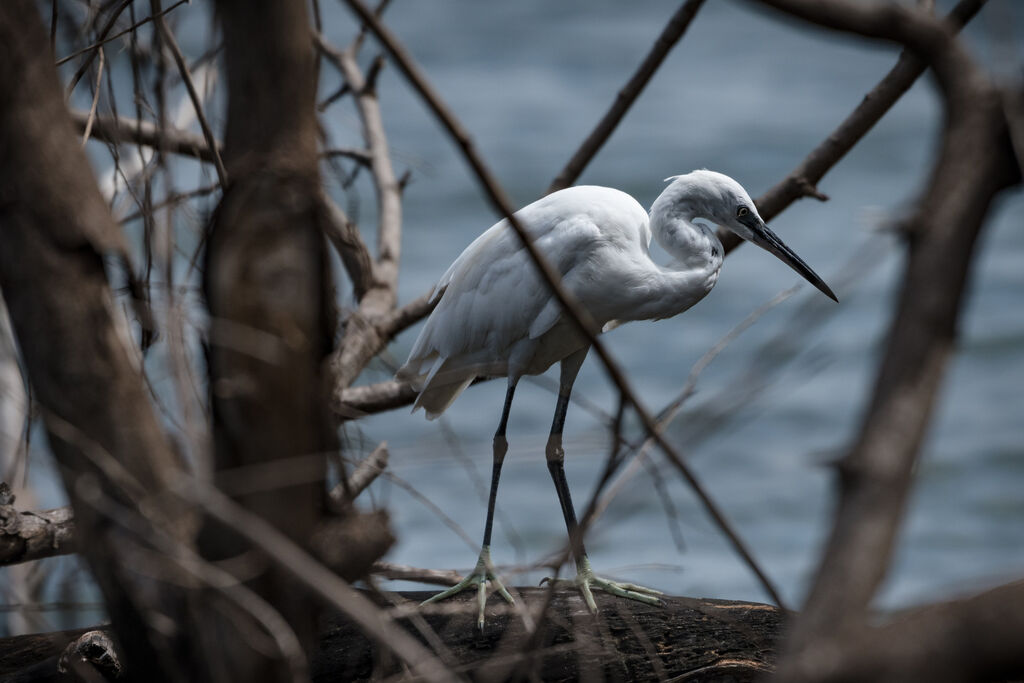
(266, 281)
(114, 458)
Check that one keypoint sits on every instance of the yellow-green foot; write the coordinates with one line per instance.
(586, 579)
(481, 574)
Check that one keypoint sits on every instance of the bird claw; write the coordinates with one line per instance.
(479, 577)
(585, 579)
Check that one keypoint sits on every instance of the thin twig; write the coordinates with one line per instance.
(103, 40)
(366, 472)
(190, 86)
(346, 240)
(401, 572)
(327, 585)
(389, 196)
(123, 129)
(670, 35)
(95, 99)
(803, 180)
(579, 318)
(84, 66)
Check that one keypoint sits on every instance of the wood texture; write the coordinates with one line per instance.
(690, 639)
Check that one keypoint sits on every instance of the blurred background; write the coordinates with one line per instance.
(746, 94)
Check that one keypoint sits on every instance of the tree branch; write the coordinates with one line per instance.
(197, 103)
(975, 163)
(803, 180)
(670, 35)
(26, 536)
(123, 129)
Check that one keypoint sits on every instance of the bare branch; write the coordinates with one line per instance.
(352, 403)
(325, 584)
(974, 164)
(803, 180)
(124, 129)
(197, 103)
(973, 639)
(84, 66)
(389, 192)
(364, 338)
(104, 40)
(26, 536)
(573, 311)
(366, 472)
(95, 98)
(670, 35)
(346, 240)
(401, 572)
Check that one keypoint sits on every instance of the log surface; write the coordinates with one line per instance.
(689, 639)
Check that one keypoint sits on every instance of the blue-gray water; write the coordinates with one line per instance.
(748, 95)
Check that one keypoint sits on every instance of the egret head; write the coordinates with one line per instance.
(720, 199)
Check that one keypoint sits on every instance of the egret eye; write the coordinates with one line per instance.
(742, 211)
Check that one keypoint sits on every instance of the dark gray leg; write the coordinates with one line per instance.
(556, 466)
(484, 571)
(500, 449)
(585, 577)
(570, 367)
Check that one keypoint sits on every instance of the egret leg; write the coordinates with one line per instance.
(484, 570)
(555, 454)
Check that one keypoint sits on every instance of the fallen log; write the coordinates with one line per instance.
(688, 639)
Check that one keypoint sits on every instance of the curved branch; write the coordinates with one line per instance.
(974, 164)
(803, 180)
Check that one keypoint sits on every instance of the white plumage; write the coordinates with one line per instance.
(496, 317)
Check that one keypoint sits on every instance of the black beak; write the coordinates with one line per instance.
(769, 241)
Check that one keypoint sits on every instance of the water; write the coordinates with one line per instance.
(749, 95)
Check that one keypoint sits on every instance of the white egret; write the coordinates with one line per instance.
(496, 317)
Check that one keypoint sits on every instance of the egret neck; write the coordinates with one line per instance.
(697, 253)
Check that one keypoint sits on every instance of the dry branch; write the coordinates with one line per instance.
(670, 35)
(401, 572)
(975, 163)
(87, 62)
(389, 192)
(167, 38)
(346, 240)
(108, 38)
(973, 639)
(26, 536)
(355, 402)
(122, 129)
(803, 180)
(366, 472)
(365, 329)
